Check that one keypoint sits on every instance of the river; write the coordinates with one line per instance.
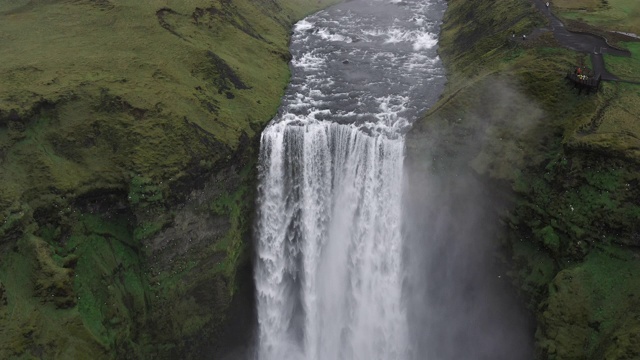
(329, 271)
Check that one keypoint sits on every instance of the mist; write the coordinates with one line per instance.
(460, 302)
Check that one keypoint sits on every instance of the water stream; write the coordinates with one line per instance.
(329, 271)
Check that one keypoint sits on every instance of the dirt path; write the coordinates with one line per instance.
(582, 42)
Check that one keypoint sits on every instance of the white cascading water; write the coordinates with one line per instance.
(329, 270)
(330, 244)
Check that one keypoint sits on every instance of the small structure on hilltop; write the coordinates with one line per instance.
(584, 79)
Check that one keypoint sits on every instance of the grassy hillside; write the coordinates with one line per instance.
(92, 86)
(611, 15)
(566, 162)
(128, 133)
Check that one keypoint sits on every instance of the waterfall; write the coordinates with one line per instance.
(329, 271)
(330, 244)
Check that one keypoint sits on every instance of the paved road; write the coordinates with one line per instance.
(582, 42)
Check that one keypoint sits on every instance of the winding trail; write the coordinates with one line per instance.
(594, 45)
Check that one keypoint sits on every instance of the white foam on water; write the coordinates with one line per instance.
(423, 41)
(420, 39)
(303, 25)
(373, 32)
(327, 35)
(418, 61)
(391, 108)
(309, 61)
(303, 102)
(396, 35)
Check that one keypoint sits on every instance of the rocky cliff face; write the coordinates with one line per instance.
(128, 138)
(561, 169)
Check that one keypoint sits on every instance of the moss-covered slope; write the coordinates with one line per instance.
(567, 163)
(128, 133)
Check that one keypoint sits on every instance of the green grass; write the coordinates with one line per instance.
(596, 297)
(130, 96)
(623, 67)
(613, 15)
(535, 269)
(468, 46)
(31, 322)
(613, 126)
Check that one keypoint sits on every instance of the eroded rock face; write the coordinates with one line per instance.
(199, 260)
(128, 137)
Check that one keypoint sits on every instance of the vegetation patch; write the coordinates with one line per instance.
(612, 15)
(626, 68)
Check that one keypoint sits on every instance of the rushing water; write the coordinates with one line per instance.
(329, 273)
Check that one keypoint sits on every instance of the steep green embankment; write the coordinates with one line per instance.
(128, 133)
(566, 163)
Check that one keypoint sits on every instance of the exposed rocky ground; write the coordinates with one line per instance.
(128, 133)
